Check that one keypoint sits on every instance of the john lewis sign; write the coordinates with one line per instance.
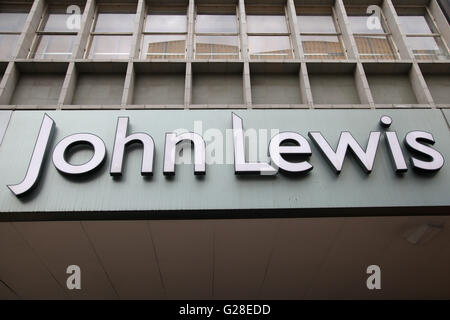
(305, 159)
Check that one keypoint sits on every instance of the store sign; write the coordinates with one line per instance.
(307, 152)
(416, 141)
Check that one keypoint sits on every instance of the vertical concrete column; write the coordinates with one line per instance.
(362, 86)
(69, 85)
(128, 89)
(419, 86)
(347, 34)
(395, 27)
(8, 83)
(189, 54)
(137, 32)
(29, 31)
(243, 30)
(85, 28)
(188, 86)
(246, 83)
(440, 20)
(247, 88)
(190, 31)
(305, 87)
(295, 31)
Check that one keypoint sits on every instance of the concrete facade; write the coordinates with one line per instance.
(416, 89)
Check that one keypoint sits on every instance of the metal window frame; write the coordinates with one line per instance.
(386, 33)
(93, 33)
(237, 55)
(273, 34)
(40, 32)
(337, 34)
(162, 33)
(16, 5)
(431, 22)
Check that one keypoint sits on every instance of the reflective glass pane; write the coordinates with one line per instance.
(110, 47)
(54, 47)
(362, 24)
(56, 22)
(427, 48)
(165, 23)
(216, 23)
(374, 47)
(317, 24)
(7, 45)
(115, 22)
(269, 47)
(12, 21)
(322, 47)
(163, 47)
(266, 24)
(217, 47)
(414, 24)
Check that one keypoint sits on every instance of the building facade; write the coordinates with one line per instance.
(364, 81)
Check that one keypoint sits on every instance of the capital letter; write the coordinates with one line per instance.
(34, 168)
(240, 166)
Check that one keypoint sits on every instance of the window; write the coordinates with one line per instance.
(164, 34)
(112, 32)
(422, 34)
(319, 33)
(373, 42)
(216, 33)
(55, 37)
(268, 34)
(12, 21)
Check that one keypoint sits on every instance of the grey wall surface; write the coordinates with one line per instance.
(334, 88)
(99, 89)
(439, 86)
(220, 188)
(38, 89)
(159, 89)
(283, 88)
(216, 88)
(391, 88)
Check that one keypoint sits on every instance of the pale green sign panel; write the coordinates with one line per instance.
(220, 188)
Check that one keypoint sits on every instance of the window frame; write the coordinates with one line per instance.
(14, 8)
(93, 33)
(163, 33)
(218, 34)
(429, 19)
(40, 31)
(386, 33)
(337, 34)
(269, 11)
